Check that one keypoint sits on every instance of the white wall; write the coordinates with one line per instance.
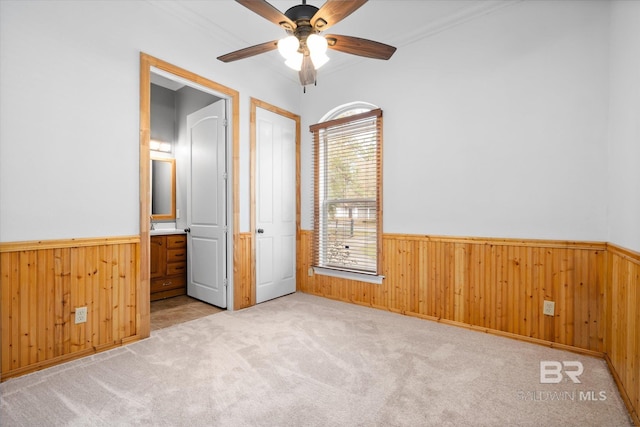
(624, 130)
(498, 127)
(493, 128)
(69, 110)
(163, 114)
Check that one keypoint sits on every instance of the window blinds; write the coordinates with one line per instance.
(347, 193)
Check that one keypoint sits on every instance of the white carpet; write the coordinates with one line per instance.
(307, 361)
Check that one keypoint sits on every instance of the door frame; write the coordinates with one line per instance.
(232, 98)
(256, 103)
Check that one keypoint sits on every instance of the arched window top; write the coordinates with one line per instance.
(348, 109)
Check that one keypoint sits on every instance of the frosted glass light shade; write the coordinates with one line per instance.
(295, 61)
(288, 47)
(317, 44)
(317, 50)
(319, 60)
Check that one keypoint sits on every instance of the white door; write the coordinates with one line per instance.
(275, 205)
(206, 205)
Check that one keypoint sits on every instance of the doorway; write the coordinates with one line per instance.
(153, 66)
(179, 309)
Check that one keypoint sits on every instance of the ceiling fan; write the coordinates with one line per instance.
(304, 48)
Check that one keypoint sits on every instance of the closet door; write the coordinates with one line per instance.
(275, 205)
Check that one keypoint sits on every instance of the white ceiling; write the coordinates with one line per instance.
(394, 22)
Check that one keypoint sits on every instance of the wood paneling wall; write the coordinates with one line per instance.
(622, 343)
(41, 284)
(492, 284)
(244, 287)
(499, 285)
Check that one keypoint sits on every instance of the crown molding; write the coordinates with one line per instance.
(209, 28)
(474, 11)
(468, 14)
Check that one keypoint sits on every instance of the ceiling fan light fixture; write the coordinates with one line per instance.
(317, 44)
(317, 50)
(319, 60)
(295, 61)
(304, 49)
(288, 47)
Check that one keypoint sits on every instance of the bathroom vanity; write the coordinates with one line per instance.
(168, 265)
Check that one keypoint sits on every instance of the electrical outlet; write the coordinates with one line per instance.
(310, 271)
(549, 308)
(81, 314)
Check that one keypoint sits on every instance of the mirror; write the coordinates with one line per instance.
(163, 188)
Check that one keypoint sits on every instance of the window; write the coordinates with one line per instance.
(348, 193)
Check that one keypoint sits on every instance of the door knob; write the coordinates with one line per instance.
(260, 231)
(187, 230)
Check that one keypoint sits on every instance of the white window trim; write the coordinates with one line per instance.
(349, 275)
(338, 111)
(341, 272)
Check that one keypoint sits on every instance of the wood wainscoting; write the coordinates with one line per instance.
(496, 285)
(42, 283)
(499, 286)
(244, 286)
(622, 342)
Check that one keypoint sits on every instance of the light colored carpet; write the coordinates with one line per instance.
(307, 361)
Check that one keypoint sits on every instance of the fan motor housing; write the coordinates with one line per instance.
(301, 12)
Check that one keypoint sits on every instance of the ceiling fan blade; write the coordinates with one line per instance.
(360, 47)
(249, 51)
(334, 11)
(270, 13)
(308, 72)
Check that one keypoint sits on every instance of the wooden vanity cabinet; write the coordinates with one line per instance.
(168, 266)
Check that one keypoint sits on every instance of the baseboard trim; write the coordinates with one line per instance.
(66, 358)
(518, 337)
(471, 327)
(635, 418)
